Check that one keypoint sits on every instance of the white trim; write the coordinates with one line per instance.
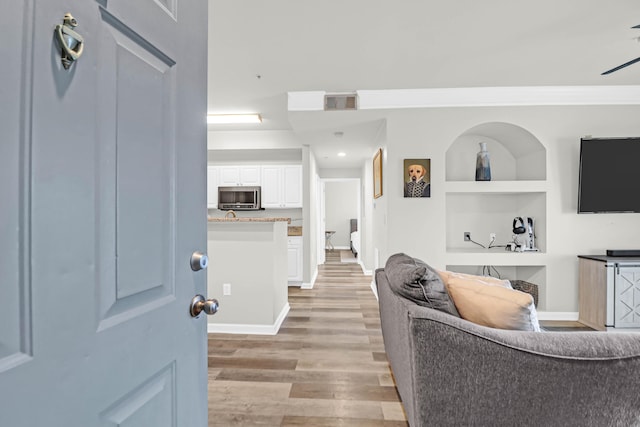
(558, 315)
(374, 288)
(364, 270)
(213, 328)
(313, 280)
(477, 97)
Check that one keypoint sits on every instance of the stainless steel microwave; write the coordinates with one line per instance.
(239, 198)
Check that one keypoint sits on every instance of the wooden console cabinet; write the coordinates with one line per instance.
(609, 292)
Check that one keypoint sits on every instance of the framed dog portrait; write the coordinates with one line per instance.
(377, 174)
(417, 178)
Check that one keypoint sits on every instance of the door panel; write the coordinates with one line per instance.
(15, 312)
(627, 297)
(152, 403)
(104, 175)
(144, 105)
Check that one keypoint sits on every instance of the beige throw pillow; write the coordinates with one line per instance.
(488, 280)
(493, 306)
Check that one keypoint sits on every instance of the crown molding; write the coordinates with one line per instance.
(476, 97)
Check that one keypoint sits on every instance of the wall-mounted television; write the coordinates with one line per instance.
(609, 175)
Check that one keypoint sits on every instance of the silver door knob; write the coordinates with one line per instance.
(199, 261)
(200, 304)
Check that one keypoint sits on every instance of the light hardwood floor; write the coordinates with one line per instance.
(325, 367)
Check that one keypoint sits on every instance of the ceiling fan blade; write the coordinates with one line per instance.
(626, 64)
(636, 26)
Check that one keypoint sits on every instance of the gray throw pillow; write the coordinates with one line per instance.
(416, 281)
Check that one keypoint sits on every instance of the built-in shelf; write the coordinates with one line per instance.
(505, 187)
(515, 154)
(518, 188)
(536, 274)
(495, 256)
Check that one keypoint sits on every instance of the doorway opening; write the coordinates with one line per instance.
(340, 213)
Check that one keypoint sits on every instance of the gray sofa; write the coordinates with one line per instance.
(453, 372)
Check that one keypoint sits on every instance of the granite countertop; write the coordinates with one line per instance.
(245, 219)
(294, 230)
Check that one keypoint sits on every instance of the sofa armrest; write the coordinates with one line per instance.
(467, 374)
(569, 345)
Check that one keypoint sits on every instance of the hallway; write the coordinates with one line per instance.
(326, 366)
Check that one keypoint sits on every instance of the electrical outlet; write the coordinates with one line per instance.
(226, 289)
(467, 236)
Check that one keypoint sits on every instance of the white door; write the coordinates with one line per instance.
(102, 185)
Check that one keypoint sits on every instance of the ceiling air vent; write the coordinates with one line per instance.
(340, 102)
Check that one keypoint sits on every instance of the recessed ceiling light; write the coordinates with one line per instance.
(233, 118)
(342, 154)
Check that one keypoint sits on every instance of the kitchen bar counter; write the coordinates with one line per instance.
(248, 274)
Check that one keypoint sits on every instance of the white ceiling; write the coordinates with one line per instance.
(259, 50)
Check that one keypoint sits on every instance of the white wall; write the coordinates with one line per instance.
(379, 229)
(340, 173)
(341, 205)
(310, 217)
(366, 221)
(417, 226)
(243, 140)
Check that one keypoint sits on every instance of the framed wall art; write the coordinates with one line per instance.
(377, 174)
(417, 177)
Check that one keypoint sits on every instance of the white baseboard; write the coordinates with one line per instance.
(214, 328)
(313, 280)
(364, 270)
(374, 288)
(558, 315)
(342, 248)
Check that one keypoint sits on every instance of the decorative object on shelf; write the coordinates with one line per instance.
(483, 167)
(417, 178)
(377, 174)
(524, 234)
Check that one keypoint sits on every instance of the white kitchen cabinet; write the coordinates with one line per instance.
(231, 176)
(282, 186)
(292, 186)
(213, 181)
(294, 258)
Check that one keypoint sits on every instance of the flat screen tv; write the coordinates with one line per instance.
(609, 175)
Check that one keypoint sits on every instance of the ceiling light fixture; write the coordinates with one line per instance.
(223, 119)
(342, 154)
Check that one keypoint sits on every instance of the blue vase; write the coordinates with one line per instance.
(483, 167)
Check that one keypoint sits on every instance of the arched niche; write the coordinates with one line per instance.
(516, 154)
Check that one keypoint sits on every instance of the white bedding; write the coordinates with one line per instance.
(355, 241)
